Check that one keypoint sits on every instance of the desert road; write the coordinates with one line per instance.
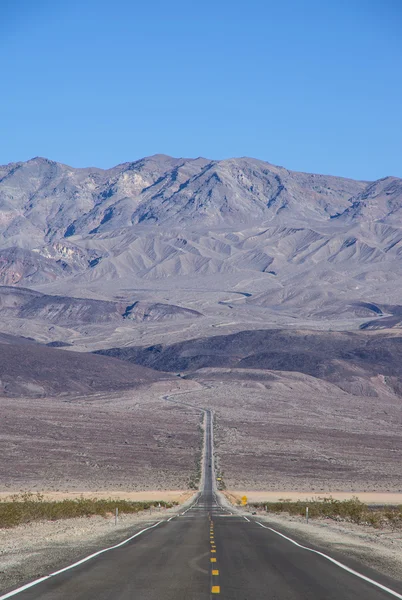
(207, 551)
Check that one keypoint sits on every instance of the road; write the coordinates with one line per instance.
(207, 552)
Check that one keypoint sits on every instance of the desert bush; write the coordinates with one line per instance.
(351, 510)
(28, 507)
(195, 477)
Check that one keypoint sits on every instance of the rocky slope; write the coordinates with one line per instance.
(47, 200)
(297, 244)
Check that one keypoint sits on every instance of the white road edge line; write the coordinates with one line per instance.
(337, 563)
(248, 520)
(80, 562)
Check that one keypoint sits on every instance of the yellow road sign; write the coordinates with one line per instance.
(244, 500)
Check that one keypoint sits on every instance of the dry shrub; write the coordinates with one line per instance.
(28, 507)
(351, 510)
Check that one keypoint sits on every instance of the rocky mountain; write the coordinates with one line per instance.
(167, 236)
(46, 200)
(380, 201)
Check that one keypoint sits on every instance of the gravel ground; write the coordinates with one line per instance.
(131, 441)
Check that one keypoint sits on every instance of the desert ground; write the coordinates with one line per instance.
(125, 442)
(373, 498)
(275, 432)
(295, 433)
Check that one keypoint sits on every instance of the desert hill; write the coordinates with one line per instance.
(359, 363)
(30, 369)
(24, 303)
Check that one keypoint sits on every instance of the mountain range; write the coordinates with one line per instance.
(208, 242)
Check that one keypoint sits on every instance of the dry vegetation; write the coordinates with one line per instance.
(28, 507)
(351, 510)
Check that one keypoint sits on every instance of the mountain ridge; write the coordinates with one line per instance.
(299, 244)
(135, 192)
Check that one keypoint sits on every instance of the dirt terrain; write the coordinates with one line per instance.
(179, 496)
(274, 431)
(376, 498)
(122, 442)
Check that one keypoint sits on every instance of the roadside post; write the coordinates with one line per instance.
(116, 517)
(307, 514)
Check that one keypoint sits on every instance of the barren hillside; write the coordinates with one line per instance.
(358, 362)
(31, 369)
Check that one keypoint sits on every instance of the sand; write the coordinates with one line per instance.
(367, 497)
(179, 496)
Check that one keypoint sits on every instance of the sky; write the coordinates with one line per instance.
(310, 85)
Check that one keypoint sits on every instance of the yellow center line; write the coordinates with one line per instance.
(215, 589)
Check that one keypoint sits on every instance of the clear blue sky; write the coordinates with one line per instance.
(313, 85)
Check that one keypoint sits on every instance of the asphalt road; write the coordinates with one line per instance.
(206, 552)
